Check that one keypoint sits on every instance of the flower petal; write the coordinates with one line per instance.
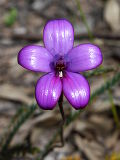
(76, 89)
(35, 58)
(58, 36)
(48, 91)
(84, 57)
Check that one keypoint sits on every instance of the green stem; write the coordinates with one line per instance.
(114, 111)
(12, 122)
(16, 127)
(97, 72)
(113, 108)
(84, 20)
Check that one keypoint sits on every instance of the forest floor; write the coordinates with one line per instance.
(91, 134)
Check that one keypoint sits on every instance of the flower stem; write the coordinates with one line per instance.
(60, 104)
(50, 146)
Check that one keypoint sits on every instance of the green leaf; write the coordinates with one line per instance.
(10, 17)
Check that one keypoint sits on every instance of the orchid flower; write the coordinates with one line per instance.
(62, 63)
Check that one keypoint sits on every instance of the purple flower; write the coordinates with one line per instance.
(63, 62)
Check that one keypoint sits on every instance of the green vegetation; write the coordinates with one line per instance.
(10, 17)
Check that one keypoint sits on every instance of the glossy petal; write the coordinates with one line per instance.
(76, 89)
(48, 91)
(58, 36)
(35, 58)
(84, 57)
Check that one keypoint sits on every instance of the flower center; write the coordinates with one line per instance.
(59, 65)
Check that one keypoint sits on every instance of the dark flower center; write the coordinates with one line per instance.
(59, 65)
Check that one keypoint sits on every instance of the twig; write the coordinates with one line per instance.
(37, 37)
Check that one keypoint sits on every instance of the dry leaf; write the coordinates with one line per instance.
(90, 150)
(112, 14)
(9, 92)
(112, 140)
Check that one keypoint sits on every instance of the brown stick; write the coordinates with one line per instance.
(34, 37)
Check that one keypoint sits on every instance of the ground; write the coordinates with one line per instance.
(94, 134)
